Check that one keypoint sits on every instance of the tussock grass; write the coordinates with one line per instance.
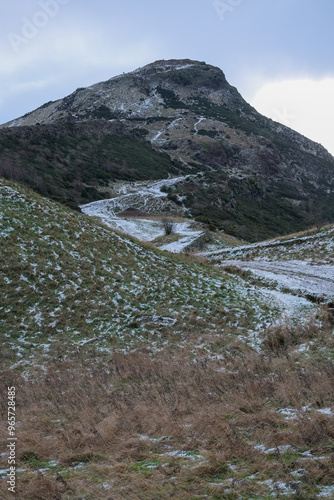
(141, 427)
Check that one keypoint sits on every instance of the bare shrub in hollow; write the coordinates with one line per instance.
(167, 225)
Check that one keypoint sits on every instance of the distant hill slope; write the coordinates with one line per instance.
(75, 163)
(260, 178)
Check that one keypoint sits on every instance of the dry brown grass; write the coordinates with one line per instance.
(79, 412)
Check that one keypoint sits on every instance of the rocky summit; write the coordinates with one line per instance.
(247, 175)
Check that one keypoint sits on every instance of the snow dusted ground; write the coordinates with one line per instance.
(146, 196)
(143, 229)
(299, 276)
(303, 264)
(290, 305)
(142, 194)
(318, 247)
(188, 237)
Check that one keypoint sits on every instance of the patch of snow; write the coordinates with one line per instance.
(326, 411)
(279, 449)
(291, 304)
(297, 275)
(183, 454)
(278, 486)
(156, 137)
(107, 486)
(326, 491)
(141, 196)
(197, 123)
(302, 348)
(189, 236)
(79, 466)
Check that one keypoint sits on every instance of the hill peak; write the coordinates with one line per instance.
(171, 64)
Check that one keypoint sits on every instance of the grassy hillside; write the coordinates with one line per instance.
(67, 280)
(73, 163)
(315, 245)
(141, 375)
(251, 209)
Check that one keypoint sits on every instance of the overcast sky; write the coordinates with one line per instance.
(278, 53)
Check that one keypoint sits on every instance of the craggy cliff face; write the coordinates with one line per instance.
(258, 178)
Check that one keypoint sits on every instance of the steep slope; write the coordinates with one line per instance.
(68, 282)
(260, 178)
(75, 164)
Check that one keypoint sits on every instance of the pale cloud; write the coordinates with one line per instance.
(76, 49)
(304, 105)
(18, 88)
(52, 65)
(97, 51)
